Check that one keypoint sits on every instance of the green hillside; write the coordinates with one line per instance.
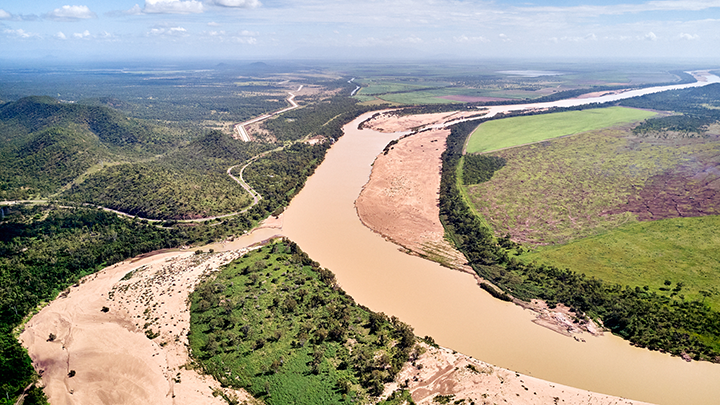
(188, 183)
(46, 144)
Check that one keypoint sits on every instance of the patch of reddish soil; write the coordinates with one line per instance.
(688, 192)
(401, 199)
(471, 99)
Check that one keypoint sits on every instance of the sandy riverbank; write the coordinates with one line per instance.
(113, 359)
(401, 202)
(441, 371)
(401, 199)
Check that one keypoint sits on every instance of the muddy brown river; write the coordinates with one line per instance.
(450, 307)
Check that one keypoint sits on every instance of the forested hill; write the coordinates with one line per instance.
(190, 182)
(32, 114)
(44, 144)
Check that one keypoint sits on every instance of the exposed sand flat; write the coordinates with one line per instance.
(440, 371)
(113, 359)
(390, 121)
(401, 199)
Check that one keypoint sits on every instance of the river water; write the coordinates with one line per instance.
(449, 306)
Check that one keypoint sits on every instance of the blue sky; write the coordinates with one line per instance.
(256, 29)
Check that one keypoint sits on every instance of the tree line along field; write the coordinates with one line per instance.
(514, 131)
(627, 205)
(660, 319)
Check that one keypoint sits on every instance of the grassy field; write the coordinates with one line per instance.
(648, 253)
(505, 133)
(578, 186)
(276, 324)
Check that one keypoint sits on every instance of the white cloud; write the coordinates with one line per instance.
(617, 9)
(650, 36)
(213, 24)
(167, 31)
(4, 15)
(689, 37)
(172, 7)
(20, 33)
(245, 40)
(467, 39)
(135, 10)
(60, 35)
(70, 13)
(236, 3)
(81, 35)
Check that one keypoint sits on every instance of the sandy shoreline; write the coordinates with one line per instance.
(113, 359)
(442, 371)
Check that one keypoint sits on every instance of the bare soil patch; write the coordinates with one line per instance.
(455, 376)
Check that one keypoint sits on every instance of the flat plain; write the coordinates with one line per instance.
(509, 132)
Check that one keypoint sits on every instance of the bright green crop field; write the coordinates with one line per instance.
(642, 254)
(509, 132)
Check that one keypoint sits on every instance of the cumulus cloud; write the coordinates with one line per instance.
(467, 39)
(172, 7)
(81, 35)
(689, 37)
(167, 31)
(650, 36)
(20, 33)
(236, 3)
(213, 24)
(60, 35)
(4, 15)
(70, 13)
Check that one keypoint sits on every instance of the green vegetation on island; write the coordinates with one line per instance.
(275, 323)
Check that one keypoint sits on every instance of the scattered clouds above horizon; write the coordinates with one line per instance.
(236, 3)
(70, 13)
(484, 27)
(173, 7)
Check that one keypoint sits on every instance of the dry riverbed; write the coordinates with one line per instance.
(92, 345)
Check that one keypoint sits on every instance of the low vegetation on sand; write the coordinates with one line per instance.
(514, 131)
(275, 323)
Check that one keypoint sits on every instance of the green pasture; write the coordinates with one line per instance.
(509, 132)
(550, 193)
(646, 254)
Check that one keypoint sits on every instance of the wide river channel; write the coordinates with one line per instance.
(449, 306)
